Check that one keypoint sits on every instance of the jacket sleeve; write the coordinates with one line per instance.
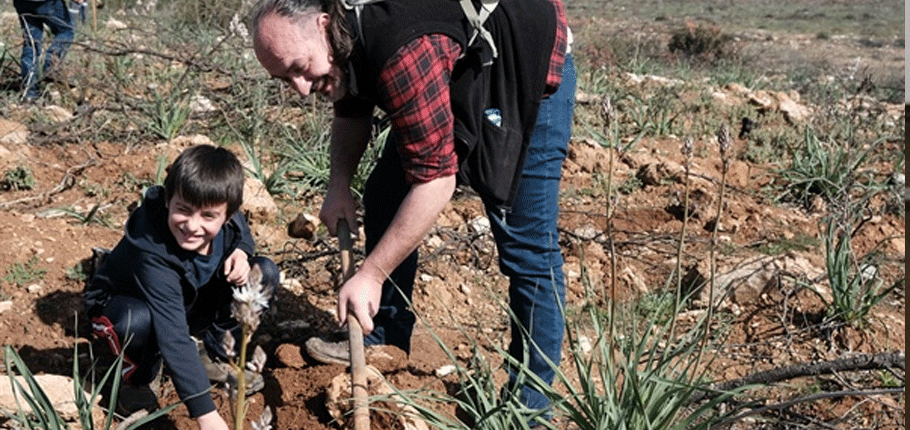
(246, 243)
(160, 283)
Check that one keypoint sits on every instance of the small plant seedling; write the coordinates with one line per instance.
(18, 178)
(23, 273)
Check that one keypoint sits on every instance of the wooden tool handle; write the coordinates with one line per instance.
(355, 334)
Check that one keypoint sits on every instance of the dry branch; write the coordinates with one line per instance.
(815, 397)
(67, 182)
(885, 360)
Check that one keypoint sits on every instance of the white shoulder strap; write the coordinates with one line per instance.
(477, 18)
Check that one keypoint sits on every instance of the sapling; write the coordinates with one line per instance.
(250, 301)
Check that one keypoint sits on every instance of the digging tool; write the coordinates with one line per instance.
(355, 334)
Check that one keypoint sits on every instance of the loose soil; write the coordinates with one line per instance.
(768, 321)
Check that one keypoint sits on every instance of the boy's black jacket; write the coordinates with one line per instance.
(148, 264)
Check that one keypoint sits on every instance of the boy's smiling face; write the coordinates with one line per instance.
(194, 227)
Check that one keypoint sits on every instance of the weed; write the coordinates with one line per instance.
(636, 381)
(24, 273)
(855, 283)
(42, 414)
(630, 185)
(800, 242)
(821, 168)
(18, 178)
(167, 114)
(75, 273)
(275, 182)
(92, 216)
(92, 189)
(697, 40)
(130, 181)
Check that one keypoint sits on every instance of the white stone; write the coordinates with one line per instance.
(446, 370)
(58, 388)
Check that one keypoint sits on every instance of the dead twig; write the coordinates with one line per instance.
(886, 360)
(67, 182)
(815, 397)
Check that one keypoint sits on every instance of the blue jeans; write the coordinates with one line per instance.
(526, 238)
(33, 16)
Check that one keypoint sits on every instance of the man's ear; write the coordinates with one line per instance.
(322, 20)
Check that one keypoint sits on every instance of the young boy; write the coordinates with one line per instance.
(171, 276)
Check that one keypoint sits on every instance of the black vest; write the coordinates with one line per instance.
(490, 157)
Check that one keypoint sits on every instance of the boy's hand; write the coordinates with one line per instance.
(211, 421)
(237, 267)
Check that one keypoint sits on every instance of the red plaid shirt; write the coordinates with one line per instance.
(414, 91)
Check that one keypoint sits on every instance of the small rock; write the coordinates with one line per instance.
(13, 132)
(202, 104)
(58, 114)
(6, 305)
(480, 224)
(584, 345)
(446, 370)
(290, 356)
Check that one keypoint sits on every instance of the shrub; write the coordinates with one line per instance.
(699, 41)
(18, 178)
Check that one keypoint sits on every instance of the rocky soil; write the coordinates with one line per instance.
(83, 190)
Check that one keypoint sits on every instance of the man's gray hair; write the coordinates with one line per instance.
(288, 8)
(339, 34)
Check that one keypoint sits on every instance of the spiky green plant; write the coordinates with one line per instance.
(822, 169)
(41, 414)
(855, 282)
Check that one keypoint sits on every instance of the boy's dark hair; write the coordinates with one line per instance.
(205, 175)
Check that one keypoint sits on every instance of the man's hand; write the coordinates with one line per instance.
(338, 204)
(237, 267)
(359, 296)
(211, 421)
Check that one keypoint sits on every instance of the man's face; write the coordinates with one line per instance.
(297, 51)
(193, 227)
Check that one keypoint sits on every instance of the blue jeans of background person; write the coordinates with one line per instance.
(209, 318)
(526, 238)
(33, 16)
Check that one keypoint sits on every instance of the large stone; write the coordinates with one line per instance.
(258, 204)
(58, 388)
(749, 279)
(12, 132)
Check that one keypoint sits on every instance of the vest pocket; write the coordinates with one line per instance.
(492, 167)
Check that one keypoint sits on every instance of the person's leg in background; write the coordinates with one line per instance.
(32, 35)
(60, 23)
(528, 244)
(33, 16)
